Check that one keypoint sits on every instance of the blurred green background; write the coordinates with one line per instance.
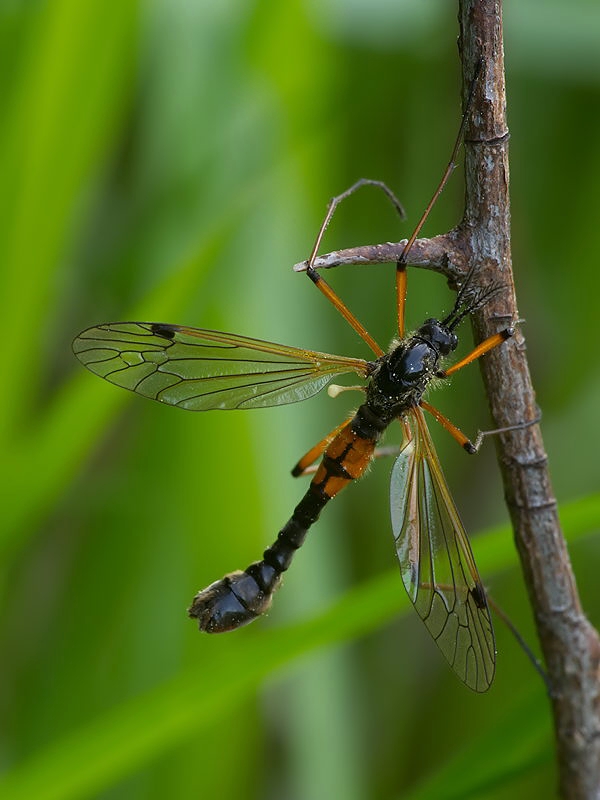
(171, 160)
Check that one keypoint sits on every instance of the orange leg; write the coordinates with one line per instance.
(326, 289)
(481, 349)
(402, 261)
(320, 282)
(303, 466)
(379, 452)
(458, 435)
(307, 466)
(401, 281)
(455, 432)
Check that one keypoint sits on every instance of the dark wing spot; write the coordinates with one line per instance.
(166, 331)
(478, 595)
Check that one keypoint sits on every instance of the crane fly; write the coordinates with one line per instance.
(200, 370)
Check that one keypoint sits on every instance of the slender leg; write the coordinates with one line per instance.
(481, 349)
(535, 662)
(516, 427)
(326, 289)
(307, 466)
(401, 282)
(379, 452)
(455, 432)
(402, 261)
(320, 282)
(303, 466)
(335, 202)
(458, 435)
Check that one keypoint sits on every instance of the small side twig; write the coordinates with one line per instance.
(441, 254)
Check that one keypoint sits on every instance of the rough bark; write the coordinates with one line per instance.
(570, 644)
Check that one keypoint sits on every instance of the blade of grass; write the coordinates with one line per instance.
(76, 74)
(495, 759)
(125, 738)
(82, 408)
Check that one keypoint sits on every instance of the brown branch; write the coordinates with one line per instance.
(443, 254)
(570, 644)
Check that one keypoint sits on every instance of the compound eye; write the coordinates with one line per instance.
(428, 328)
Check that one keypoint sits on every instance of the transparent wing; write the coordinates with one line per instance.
(436, 560)
(199, 369)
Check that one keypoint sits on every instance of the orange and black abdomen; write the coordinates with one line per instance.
(346, 458)
(241, 596)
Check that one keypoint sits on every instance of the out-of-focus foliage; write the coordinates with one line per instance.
(170, 160)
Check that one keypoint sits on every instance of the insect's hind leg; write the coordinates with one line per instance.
(455, 432)
(304, 464)
(379, 452)
(320, 282)
(464, 441)
(307, 466)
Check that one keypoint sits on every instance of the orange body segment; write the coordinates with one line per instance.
(317, 451)
(345, 460)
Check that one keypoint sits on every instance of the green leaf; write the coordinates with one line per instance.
(75, 74)
(124, 739)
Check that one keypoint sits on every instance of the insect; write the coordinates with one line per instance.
(199, 370)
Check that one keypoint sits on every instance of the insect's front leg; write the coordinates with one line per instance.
(481, 349)
(320, 282)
